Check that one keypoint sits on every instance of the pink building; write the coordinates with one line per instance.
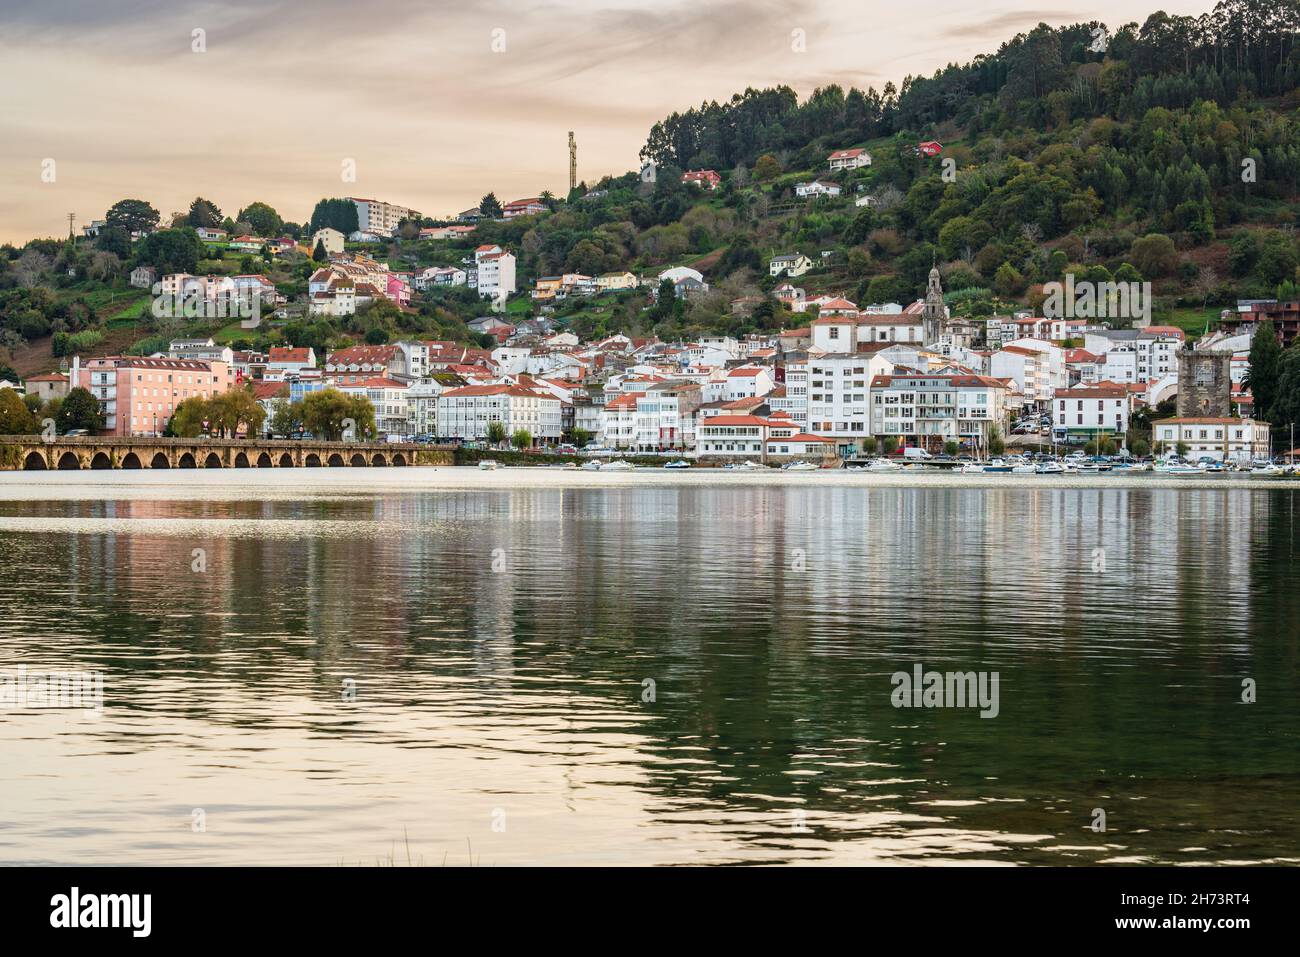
(137, 395)
(399, 289)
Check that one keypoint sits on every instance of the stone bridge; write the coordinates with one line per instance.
(32, 453)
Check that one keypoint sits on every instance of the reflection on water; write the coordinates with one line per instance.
(499, 642)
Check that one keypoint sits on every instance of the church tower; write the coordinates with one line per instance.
(933, 314)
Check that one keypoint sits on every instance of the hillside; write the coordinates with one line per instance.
(1166, 152)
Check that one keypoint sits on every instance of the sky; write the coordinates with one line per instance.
(433, 104)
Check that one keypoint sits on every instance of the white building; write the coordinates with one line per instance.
(1084, 412)
(848, 159)
(931, 410)
(1234, 440)
(466, 413)
(494, 272)
(330, 238)
(388, 396)
(379, 218)
(792, 264)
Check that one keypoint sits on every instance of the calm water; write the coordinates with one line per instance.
(495, 640)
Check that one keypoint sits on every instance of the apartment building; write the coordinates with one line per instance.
(930, 410)
(379, 218)
(464, 414)
(137, 395)
(1222, 439)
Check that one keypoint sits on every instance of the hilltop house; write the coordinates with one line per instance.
(792, 264)
(706, 178)
(848, 159)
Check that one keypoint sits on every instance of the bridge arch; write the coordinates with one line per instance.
(159, 461)
(399, 459)
(131, 461)
(35, 462)
(186, 461)
(378, 459)
(312, 461)
(286, 460)
(101, 461)
(1164, 391)
(335, 460)
(241, 461)
(213, 461)
(264, 461)
(68, 462)
(358, 459)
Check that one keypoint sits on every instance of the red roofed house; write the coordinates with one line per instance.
(848, 159)
(707, 178)
(286, 359)
(523, 207)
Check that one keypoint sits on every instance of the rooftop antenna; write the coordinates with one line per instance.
(71, 219)
(573, 162)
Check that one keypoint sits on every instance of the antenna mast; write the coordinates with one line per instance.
(573, 162)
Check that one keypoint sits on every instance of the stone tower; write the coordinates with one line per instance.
(1204, 384)
(933, 314)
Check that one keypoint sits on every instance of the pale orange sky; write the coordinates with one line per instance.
(414, 93)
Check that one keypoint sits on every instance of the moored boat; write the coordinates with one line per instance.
(488, 465)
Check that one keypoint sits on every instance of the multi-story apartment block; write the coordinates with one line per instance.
(930, 410)
(138, 395)
(464, 414)
(379, 218)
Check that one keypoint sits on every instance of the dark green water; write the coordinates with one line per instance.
(498, 641)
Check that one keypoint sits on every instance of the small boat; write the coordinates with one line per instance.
(1050, 468)
(488, 465)
(1024, 468)
(1176, 468)
(998, 465)
(592, 466)
(882, 465)
(1212, 467)
(618, 466)
(974, 467)
(570, 466)
(799, 467)
(679, 464)
(1267, 468)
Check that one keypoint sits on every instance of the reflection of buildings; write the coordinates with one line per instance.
(770, 618)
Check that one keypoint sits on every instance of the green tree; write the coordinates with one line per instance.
(264, 219)
(80, 410)
(188, 418)
(15, 417)
(285, 416)
(996, 444)
(203, 213)
(1265, 369)
(324, 412)
(490, 206)
(951, 447)
(130, 215)
(171, 250)
(319, 254)
(1154, 255)
(496, 433)
(521, 439)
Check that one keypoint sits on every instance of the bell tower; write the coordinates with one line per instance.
(933, 314)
